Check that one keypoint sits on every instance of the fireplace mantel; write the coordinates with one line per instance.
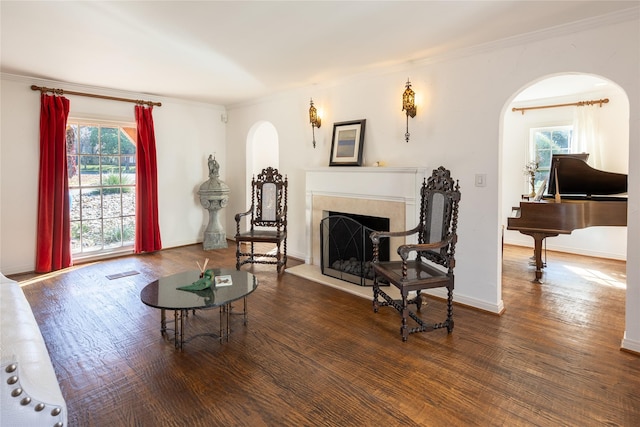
(382, 191)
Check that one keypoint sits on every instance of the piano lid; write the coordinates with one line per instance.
(576, 177)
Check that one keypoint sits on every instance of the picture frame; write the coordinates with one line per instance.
(347, 143)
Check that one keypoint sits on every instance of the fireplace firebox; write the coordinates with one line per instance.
(346, 250)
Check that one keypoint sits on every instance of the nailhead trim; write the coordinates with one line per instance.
(26, 400)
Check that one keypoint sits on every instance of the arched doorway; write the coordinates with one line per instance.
(605, 242)
(613, 133)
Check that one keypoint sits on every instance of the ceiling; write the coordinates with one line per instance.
(227, 52)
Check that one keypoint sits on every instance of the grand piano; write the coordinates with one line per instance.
(579, 196)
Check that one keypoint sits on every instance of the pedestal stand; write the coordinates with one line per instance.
(214, 195)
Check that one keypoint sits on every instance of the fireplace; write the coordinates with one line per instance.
(389, 192)
(346, 250)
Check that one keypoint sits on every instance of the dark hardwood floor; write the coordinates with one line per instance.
(312, 355)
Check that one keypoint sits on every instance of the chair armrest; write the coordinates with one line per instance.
(405, 250)
(242, 214)
(377, 235)
(239, 216)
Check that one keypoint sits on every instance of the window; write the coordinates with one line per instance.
(543, 143)
(101, 162)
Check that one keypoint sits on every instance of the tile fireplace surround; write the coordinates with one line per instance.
(389, 192)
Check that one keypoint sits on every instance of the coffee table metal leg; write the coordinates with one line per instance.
(225, 311)
(245, 311)
(178, 339)
(182, 316)
(175, 329)
(163, 322)
(220, 331)
(228, 309)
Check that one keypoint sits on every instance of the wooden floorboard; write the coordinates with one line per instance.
(312, 355)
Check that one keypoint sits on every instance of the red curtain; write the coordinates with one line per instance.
(53, 246)
(147, 225)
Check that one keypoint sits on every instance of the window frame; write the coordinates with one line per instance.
(533, 153)
(77, 190)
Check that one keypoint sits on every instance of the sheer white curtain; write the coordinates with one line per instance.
(586, 138)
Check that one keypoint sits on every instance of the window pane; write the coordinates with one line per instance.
(561, 139)
(76, 235)
(109, 141)
(543, 141)
(92, 235)
(110, 170)
(72, 150)
(128, 201)
(546, 142)
(113, 232)
(74, 208)
(128, 166)
(72, 171)
(89, 170)
(127, 141)
(128, 230)
(91, 203)
(111, 203)
(544, 158)
(88, 140)
(72, 138)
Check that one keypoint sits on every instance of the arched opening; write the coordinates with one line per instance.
(262, 150)
(516, 152)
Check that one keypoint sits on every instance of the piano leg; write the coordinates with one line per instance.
(538, 237)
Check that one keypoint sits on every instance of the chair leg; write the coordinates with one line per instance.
(449, 309)
(376, 292)
(284, 254)
(405, 312)
(237, 255)
(278, 259)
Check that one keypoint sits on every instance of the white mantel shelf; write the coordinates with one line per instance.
(374, 183)
(367, 169)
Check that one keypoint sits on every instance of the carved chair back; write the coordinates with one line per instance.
(440, 196)
(269, 199)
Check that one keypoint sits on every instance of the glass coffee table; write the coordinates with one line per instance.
(163, 294)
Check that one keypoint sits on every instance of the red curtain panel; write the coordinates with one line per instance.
(53, 246)
(147, 224)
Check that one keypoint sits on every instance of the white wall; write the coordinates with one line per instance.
(459, 122)
(186, 133)
(606, 242)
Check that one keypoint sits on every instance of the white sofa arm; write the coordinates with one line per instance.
(29, 394)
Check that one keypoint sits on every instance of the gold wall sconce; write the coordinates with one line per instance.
(315, 121)
(408, 105)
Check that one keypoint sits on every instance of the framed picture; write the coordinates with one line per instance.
(347, 143)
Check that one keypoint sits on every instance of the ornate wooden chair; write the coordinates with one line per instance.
(268, 221)
(434, 253)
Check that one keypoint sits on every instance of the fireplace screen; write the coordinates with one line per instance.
(346, 250)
